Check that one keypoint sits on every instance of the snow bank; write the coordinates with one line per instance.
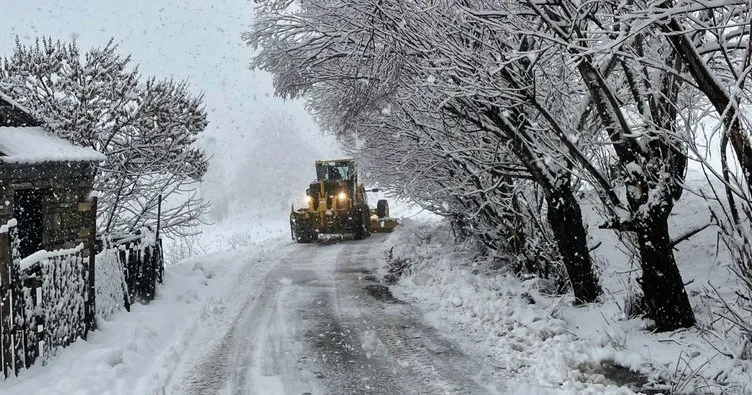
(137, 352)
(546, 345)
(495, 314)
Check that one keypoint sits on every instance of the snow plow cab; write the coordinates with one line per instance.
(337, 204)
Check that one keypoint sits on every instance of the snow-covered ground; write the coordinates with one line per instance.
(135, 352)
(556, 348)
(540, 342)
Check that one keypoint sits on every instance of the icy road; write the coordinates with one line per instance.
(320, 322)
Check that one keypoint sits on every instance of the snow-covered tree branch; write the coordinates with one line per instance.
(467, 108)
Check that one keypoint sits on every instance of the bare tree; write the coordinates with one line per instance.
(713, 44)
(652, 161)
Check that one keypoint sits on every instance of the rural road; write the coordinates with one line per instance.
(319, 322)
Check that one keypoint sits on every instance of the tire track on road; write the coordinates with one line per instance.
(429, 363)
(320, 324)
(251, 356)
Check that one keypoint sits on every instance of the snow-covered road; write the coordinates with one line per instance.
(317, 322)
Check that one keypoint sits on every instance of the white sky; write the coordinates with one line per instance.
(194, 39)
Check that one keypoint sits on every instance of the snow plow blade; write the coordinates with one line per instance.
(302, 227)
(383, 225)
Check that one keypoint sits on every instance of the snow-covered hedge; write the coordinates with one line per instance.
(111, 289)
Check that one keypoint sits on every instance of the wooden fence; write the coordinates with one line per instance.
(141, 256)
(48, 298)
(45, 302)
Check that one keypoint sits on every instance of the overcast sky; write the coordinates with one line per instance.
(198, 40)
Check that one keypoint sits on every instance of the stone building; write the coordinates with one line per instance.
(46, 184)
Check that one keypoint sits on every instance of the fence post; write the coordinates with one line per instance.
(158, 245)
(91, 321)
(147, 262)
(135, 259)
(31, 333)
(16, 288)
(6, 263)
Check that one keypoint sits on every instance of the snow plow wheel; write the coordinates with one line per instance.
(362, 224)
(382, 208)
(302, 232)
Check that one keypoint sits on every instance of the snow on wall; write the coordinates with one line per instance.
(45, 256)
(35, 145)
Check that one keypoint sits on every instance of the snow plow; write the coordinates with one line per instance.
(337, 204)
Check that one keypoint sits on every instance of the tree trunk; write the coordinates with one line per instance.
(564, 213)
(565, 218)
(661, 281)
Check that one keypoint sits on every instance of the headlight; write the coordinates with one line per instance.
(342, 196)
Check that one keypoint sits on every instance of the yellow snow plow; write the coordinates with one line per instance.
(337, 204)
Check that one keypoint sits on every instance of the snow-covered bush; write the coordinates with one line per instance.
(738, 312)
(405, 240)
(396, 266)
(111, 289)
(539, 259)
(413, 244)
(180, 248)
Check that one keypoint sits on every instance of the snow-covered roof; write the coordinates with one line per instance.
(36, 145)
